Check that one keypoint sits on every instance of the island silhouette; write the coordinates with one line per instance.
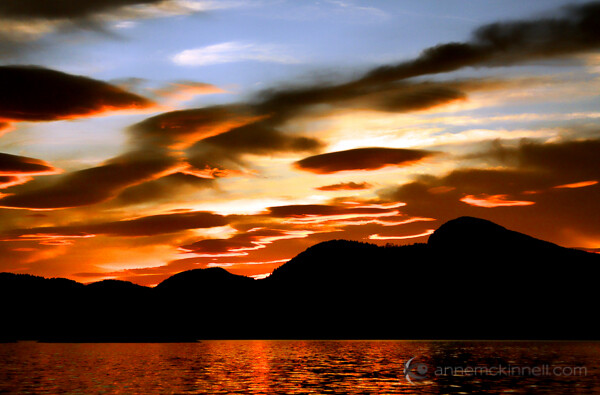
(473, 279)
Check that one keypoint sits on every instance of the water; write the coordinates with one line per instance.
(294, 367)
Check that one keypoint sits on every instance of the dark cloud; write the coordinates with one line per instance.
(361, 159)
(63, 9)
(160, 224)
(259, 138)
(31, 23)
(162, 188)
(561, 161)
(218, 137)
(393, 96)
(14, 165)
(37, 94)
(525, 170)
(143, 226)
(412, 98)
(237, 243)
(189, 126)
(218, 246)
(92, 185)
(17, 170)
(574, 29)
(345, 186)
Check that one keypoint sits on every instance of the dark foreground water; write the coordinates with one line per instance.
(267, 367)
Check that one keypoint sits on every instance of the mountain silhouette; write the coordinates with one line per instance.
(473, 279)
(199, 279)
(468, 234)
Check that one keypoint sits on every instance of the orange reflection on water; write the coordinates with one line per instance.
(285, 367)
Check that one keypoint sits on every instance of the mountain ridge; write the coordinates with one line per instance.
(507, 285)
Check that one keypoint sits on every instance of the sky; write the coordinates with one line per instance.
(142, 138)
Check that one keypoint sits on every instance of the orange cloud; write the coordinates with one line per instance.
(493, 201)
(210, 172)
(186, 90)
(241, 243)
(11, 181)
(5, 127)
(180, 129)
(53, 240)
(378, 237)
(577, 184)
(345, 186)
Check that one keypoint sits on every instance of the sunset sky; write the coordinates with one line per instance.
(142, 138)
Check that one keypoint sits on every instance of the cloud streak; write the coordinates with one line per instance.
(231, 52)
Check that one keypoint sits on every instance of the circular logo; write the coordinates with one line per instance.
(414, 371)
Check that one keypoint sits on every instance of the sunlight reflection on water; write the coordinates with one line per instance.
(295, 366)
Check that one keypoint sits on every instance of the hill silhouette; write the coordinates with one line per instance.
(199, 279)
(473, 280)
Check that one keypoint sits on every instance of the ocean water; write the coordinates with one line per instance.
(301, 367)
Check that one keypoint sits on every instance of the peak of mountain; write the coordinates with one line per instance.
(469, 238)
(477, 233)
(201, 278)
